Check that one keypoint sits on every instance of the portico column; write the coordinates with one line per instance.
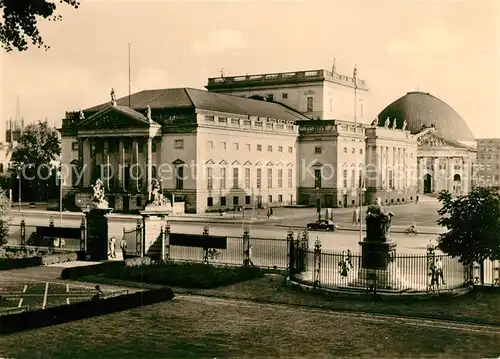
(81, 164)
(450, 174)
(121, 163)
(420, 179)
(149, 160)
(435, 175)
(137, 171)
(105, 161)
(87, 162)
(378, 150)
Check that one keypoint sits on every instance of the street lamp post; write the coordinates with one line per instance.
(19, 190)
(362, 190)
(318, 203)
(61, 181)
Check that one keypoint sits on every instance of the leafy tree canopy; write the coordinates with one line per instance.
(38, 145)
(473, 223)
(20, 21)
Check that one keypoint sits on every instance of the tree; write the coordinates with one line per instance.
(20, 22)
(5, 217)
(38, 146)
(473, 223)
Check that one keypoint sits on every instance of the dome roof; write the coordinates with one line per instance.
(420, 109)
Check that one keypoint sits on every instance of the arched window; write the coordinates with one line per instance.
(153, 172)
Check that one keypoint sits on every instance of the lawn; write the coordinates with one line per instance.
(472, 307)
(211, 328)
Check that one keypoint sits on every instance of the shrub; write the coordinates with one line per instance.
(187, 275)
(23, 258)
(5, 217)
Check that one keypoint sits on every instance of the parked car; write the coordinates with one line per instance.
(322, 225)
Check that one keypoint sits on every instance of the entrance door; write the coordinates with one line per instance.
(345, 201)
(328, 200)
(126, 177)
(259, 201)
(126, 203)
(427, 183)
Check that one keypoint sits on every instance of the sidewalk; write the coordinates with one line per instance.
(394, 229)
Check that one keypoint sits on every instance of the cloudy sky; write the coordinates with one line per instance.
(450, 49)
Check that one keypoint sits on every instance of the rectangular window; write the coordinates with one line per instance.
(280, 178)
(154, 147)
(269, 178)
(259, 148)
(179, 178)
(390, 180)
(280, 198)
(290, 149)
(361, 181)
(236, 146)
(353, 151)
(236, 178)
(259, 178)
(317, 150)
(223, 201)
(247, 177)
(248, 147)
(270, 97)
(344, 178)
(269, 148)
(210, 201)
(247, 200)
(353, 178)
(360, 151)
(210, 144)
(309, 104)
(317, 178)
(236, 200)
(345, 149)
(270, 198)
(223, 145)
(284, 95)
(179, 144)
(210, 181)
(222, 178)
(280, 148)
(290, 178)
(74, 146)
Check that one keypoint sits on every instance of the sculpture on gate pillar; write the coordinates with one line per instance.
(99, 198)
(378, 222)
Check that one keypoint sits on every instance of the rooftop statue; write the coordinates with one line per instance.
(394, 124)
(375, 122)
(404, 125)
(387, 122)
(81, 115)
(99, 199)
(378, 222)
(148, 112)
(113, 96)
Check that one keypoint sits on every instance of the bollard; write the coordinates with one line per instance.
(23, 232)
(138, 238)
(83, 236)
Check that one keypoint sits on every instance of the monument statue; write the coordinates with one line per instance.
(404, 125)
(334, 66)
(394, 124)
(113, 96)
(378, 222)
(148, 112)
(99, 199)
(157, 198)
(81, 115)
(387, 122)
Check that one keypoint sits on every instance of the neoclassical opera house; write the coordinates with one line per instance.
(446, 148)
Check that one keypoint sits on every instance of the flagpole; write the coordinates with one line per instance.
(355, 79)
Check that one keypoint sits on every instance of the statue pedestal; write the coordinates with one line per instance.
(97, 246)
(377, 267)
(154, 221)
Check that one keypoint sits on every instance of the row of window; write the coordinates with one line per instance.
(236, 146)
(236, 200)
(113, 146)
(247, 176)
(487, 157)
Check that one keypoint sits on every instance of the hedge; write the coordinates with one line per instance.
(83, 271)
(186, 275)
(62, 314)
(38, 260)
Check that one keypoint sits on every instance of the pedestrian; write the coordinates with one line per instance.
(416, 199)
(123, 247)
(112, 247)
(439, 271)
(355, 216)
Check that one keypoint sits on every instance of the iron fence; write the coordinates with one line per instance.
(404, 273)
(264, 252)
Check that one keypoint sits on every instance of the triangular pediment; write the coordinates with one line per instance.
(116, 117)
(178, 162)
(279, 164)
(223, 163)
(210, 162)
(430, 138)
(235, 163)
(289, 164)
(270, 163)
(258, 163)
(247, 163)
(317, 164)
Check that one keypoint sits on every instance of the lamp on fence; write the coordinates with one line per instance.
(19, 186)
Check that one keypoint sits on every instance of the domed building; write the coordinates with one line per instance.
(446, 152)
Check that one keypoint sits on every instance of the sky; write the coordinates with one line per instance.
(449, 49)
